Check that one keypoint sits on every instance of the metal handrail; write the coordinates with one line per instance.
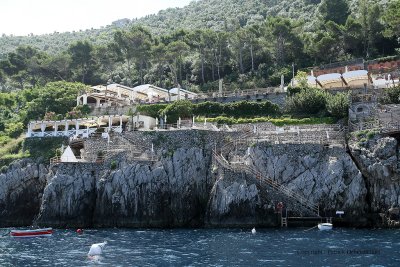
(280, 187)
(57, 159)
(273, 184)
(284, 190)
(217, 94)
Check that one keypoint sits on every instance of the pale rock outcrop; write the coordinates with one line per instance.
(234, 202)
(324, 176)
(21, 188)
(70, 196)
(184, 188)
(171, 193)
(378, 160)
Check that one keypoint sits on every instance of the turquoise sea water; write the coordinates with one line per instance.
(206, 247)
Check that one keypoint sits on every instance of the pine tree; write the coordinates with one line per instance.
(336, 11)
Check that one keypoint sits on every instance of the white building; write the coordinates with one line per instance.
(84, 127)
(179, 93)
(120, 95)
(150, 94)
(349, 79)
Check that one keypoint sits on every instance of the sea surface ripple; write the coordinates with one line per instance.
(206, 247)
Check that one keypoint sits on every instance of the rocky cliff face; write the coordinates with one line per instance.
(378, 160)
(21, 188)
(185, 188)
(235, 202)
(172, 193)
(70, 196)
(324, 176)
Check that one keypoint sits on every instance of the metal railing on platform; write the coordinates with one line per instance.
(271, 183)
(77, 159)
(240, 167)
(237, 93)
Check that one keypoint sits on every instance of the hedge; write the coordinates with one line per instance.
(275, 121)
(151, 110)
(237, 109)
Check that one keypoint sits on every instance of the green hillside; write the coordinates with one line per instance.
(254, 44)
(201, 14)
(248, 44)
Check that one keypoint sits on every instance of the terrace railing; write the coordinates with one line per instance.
(266, 181)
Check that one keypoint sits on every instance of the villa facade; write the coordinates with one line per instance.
(84, 127)
(114, 95)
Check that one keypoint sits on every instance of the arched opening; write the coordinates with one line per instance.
(91, 100)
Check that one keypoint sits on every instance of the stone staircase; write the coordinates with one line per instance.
(118, 145)
(320, 134)
(263, 182)
(145, 151)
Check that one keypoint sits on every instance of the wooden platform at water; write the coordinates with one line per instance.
(305, 221)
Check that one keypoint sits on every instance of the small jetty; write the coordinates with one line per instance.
(304, 220)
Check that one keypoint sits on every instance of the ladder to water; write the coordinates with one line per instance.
(284, 221)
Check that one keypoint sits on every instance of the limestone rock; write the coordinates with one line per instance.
(185, 188)
(378, 160)
(172, 193)
(324, 176)
(70, 196)
(21, 188)
(233, 203)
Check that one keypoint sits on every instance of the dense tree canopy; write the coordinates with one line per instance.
(252, 48)
(82, 61)
(336, 11)
(57, 97)
(248, 44)
(16, 109)
(392, 19)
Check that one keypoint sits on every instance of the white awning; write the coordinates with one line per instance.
(331, 80)
(68, 156)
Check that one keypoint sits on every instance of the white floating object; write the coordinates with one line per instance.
(253, 231)
(325, 226)
(97, 249)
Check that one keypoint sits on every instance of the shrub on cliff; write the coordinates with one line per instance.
(208, 109)
(178, 109)
(113, 165)
(251, 109)
(151, 110)
(291, 91)
(84, 109)
(316, 102)
(14, 129)
(338, 105)
(391, 96)
(310, 101)
(43, 148)
(237, 109)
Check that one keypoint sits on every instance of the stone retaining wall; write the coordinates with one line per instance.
(276, 98)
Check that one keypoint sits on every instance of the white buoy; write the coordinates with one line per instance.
(97, 249)
(325, 226)
(253, 231)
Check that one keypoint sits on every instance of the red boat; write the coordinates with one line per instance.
(32, 232)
